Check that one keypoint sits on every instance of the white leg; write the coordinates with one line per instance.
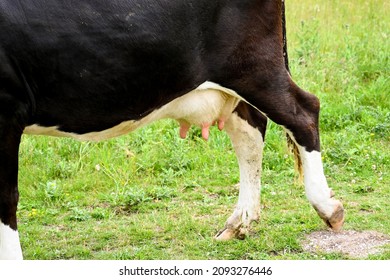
(317, 190)
(248, 144)
(9, 244)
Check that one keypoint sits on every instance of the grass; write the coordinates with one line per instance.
(151, 195)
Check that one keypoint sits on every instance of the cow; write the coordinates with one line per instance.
(97, 69)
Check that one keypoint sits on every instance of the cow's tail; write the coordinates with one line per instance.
(297, 157)
(290, 142)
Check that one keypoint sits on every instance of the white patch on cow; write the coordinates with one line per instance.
(205, 104)
(248, 145)
(9, 244)
(210, 85)
(316, 186)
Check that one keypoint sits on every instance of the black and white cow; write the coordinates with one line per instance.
(96, 69)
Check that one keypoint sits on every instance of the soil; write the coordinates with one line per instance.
(354, 244)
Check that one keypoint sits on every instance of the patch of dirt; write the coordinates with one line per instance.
(355, 244)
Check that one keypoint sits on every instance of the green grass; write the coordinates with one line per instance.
(151, 195)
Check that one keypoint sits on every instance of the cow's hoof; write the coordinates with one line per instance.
(231, 233)
(336, 220)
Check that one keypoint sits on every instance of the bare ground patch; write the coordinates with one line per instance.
(355, 244)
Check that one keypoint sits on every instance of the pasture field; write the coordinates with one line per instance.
(152, 195)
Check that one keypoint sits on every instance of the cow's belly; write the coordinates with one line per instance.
(204, 106)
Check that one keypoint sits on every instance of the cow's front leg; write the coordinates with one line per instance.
(9, 146)
(246, 128)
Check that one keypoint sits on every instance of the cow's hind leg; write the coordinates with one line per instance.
(298, 112)
(303, 127)
(317, 190)
(246, 128)
(9, 145)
